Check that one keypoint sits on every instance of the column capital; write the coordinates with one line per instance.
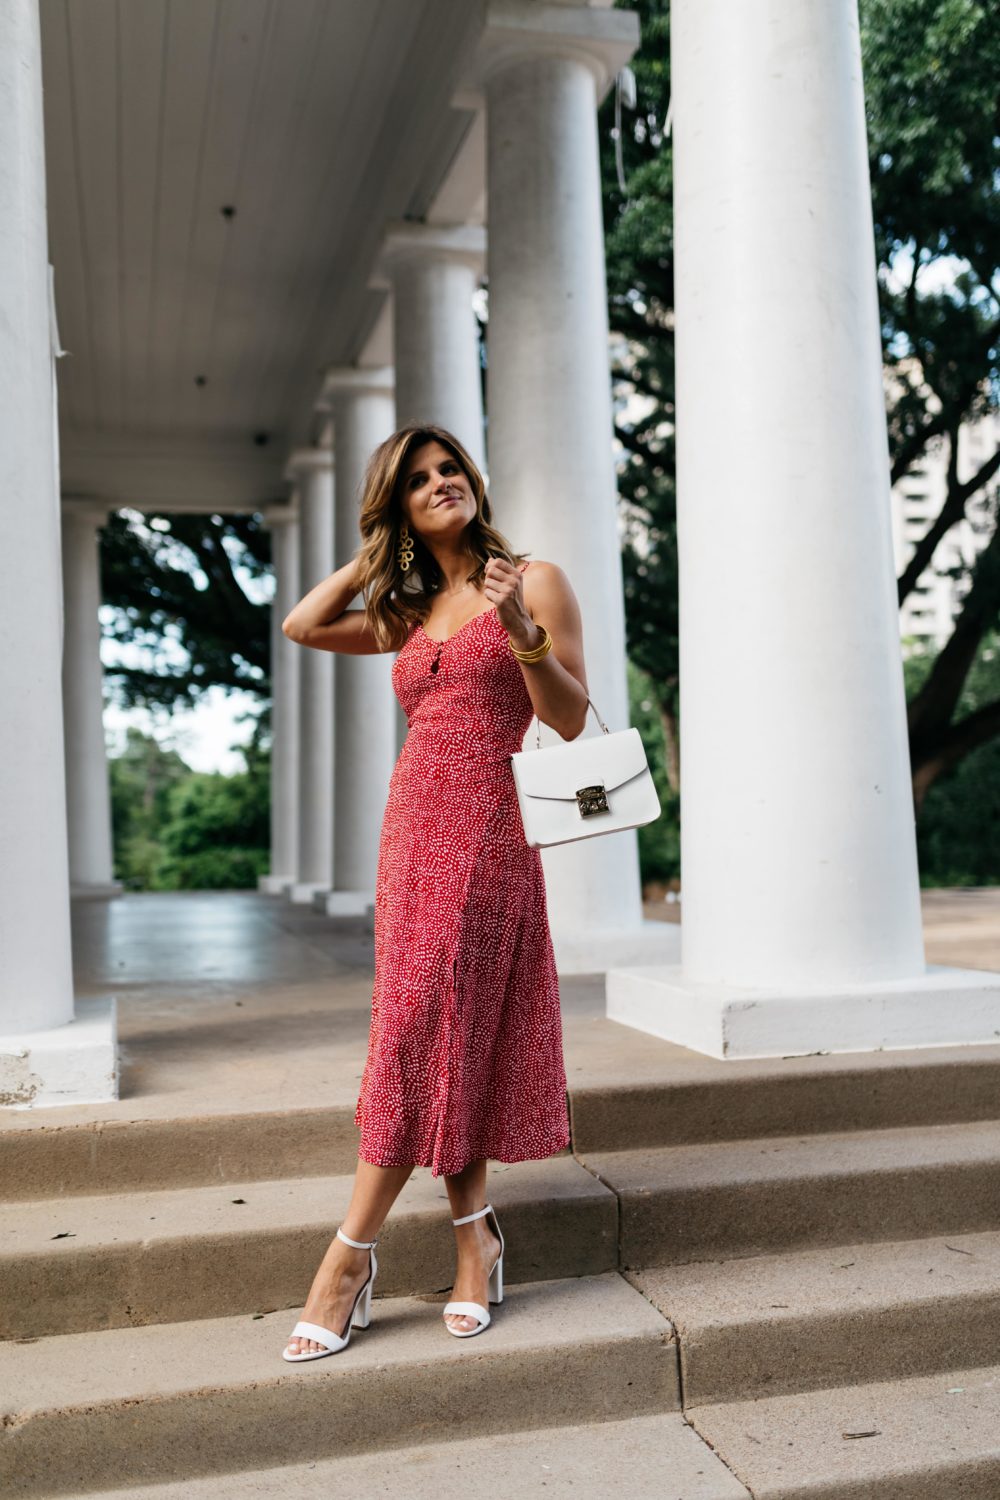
(349, 380)
(281, 514)
(406, 242)
(304, 461)
(602, 39)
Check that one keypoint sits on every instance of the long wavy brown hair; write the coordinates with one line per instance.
(396, 601)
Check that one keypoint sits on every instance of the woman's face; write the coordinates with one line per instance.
(438, 500)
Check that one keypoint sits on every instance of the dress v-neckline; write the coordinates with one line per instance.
(490, 611)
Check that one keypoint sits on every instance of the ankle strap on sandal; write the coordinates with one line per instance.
(358, 1244)
(469, 1217)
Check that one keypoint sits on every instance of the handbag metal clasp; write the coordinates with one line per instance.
(592, 799)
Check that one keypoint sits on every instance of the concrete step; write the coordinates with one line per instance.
(690, 1098)
(626, 1091)
(770, 1325)
(42, 1156)
(631, 1455)
(935, 1437)
(92, 1411)
(67, 1265)
(727, 1198)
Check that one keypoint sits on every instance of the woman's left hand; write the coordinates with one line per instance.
(502, 583)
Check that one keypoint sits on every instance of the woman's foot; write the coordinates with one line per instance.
(478, 1248)
(342, 1272)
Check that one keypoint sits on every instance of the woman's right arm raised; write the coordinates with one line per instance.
(322, 619)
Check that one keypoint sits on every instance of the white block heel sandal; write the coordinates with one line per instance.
(361, 1314)
(476, 1309)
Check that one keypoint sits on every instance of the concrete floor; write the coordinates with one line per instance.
(236, 1001)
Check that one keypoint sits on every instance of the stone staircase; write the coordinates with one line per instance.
(774, 1280)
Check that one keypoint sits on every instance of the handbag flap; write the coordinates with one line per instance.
(560, 770)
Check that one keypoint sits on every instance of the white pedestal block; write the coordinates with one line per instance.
(96, 891)
(303, 892)
(585, 950)
(941, 1008)
(349, 903)
(71, 1064)
(274, 885)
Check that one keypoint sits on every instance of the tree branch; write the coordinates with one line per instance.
(955, 743)
(951, 512)
(950, 413)
(929, 712)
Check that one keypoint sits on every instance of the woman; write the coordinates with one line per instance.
(465, 1058)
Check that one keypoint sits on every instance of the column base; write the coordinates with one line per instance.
(942, 1007)
(72, 1064)
(302, 892)
(274, 885)
(96, 892)
(594, 951)
(348, 903)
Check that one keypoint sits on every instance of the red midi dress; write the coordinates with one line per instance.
(465, 1054)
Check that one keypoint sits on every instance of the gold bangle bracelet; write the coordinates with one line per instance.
(536, 652)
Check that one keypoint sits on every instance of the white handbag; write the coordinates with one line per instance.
(582, 787)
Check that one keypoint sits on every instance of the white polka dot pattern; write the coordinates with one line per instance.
(465, 1054)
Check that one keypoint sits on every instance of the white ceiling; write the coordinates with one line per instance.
(318, 122)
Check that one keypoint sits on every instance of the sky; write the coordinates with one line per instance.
(202, 737)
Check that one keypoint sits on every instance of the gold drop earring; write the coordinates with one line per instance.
(404, 552)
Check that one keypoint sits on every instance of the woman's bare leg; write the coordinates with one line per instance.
(343, 1269)
(477, 1245)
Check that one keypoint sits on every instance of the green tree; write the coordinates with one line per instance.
(141, 779)
(217, 834)
(178, 829)
(958, 835)
(173, 585)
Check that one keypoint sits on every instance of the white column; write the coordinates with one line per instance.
(48, 1053)
(286, 658)
(549, 396)
(801, 907)
(88, 794)
(365, 715)
(312, 471)
(434, 272)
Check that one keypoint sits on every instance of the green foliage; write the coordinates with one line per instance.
(933, 115)
(639, 251)
(217, 834)
(178, 829)
(141, 780)
(958, 834)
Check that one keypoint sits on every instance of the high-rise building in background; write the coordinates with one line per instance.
(928, 613)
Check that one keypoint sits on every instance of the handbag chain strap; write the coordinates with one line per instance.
(538, 723)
